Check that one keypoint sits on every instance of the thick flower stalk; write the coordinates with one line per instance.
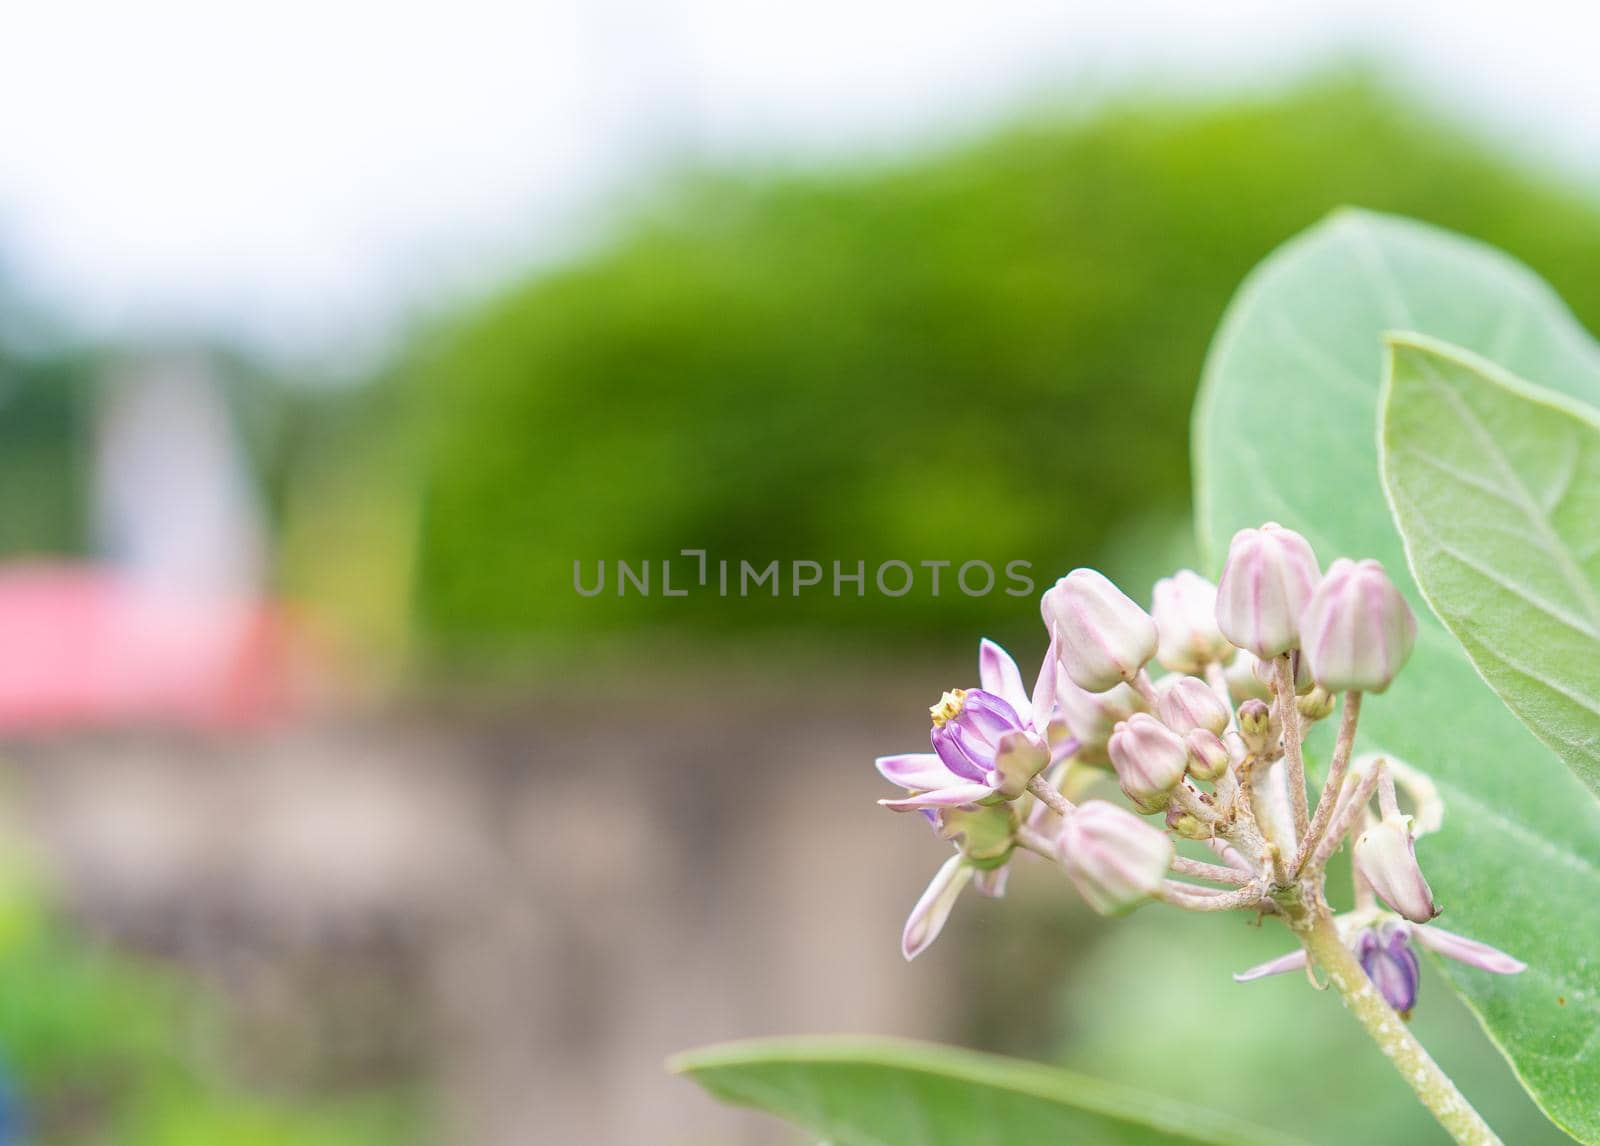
(1213, 746)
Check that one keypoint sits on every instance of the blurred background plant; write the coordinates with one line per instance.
(980, 350)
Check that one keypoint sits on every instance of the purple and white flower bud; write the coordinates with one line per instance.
(1208, 755)
(1190, 703)
(1150, 760)
(928, 917)
(1114, 859)
(1385, 955)
(1101, 636)
(1386, 856)
(1184, 608)
(1258, 727)
(1266, 582)
(1357, 628)
(1091, 716)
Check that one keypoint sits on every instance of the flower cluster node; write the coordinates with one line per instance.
(1213, 745)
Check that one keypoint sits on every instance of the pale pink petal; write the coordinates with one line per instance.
(1044, 687)
(928, 916)
(919, 771)
(1468, 951)
(1294, 961)
(998, 673)
(952, 797)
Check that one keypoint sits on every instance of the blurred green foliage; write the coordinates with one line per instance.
(96, 1047)
(988, 352)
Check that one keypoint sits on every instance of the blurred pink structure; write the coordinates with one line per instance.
(169, 626)
(91, 647)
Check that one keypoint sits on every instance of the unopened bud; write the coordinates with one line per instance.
(1386, 856)
(1150, 760)
(1185, 612)
(1266, 582)
(1188, 825)
(1190, 703)
(1357, 628)
(1257, 727)
(1208, 755)
(1316, 704)
(1091, 716)
(983, 834)
(1114, 859)
(1101, 636)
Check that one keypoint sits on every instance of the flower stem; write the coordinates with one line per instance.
(1432, 1086)
(1049, 797)
(1294, 760)
(1216, 873)
(1330, 791)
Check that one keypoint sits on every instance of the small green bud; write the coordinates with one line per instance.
(1187, 825)
(1316, 704)
(1208, 755)
(1256, 727)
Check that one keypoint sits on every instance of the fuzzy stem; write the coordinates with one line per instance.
(1330, 790)
(1432, 1086)
(1035, 842)
(1193, 898)
(1294, 760)
(1189, 800)
(1344, 816)
(1048, 796)
(1216, 873)
(1146, 688)
(1235, 859)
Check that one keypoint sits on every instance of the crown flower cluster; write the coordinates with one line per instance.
(1196, 711)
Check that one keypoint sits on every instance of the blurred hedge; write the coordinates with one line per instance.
(987, 352)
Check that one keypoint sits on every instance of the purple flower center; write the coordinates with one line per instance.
(967, 727)
(1387, 958)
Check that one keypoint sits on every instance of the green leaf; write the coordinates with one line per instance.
(893, 1092)
(1495, 485)
(1285, 431)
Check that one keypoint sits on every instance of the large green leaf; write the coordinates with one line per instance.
(891, 1092)
(1285, 430)
(1495, 485)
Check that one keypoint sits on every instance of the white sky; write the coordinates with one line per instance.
(300, 174)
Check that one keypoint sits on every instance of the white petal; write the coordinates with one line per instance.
(919, 771)
(998, 673)
(928, 916)
(1294, 961)
(1468, 951)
